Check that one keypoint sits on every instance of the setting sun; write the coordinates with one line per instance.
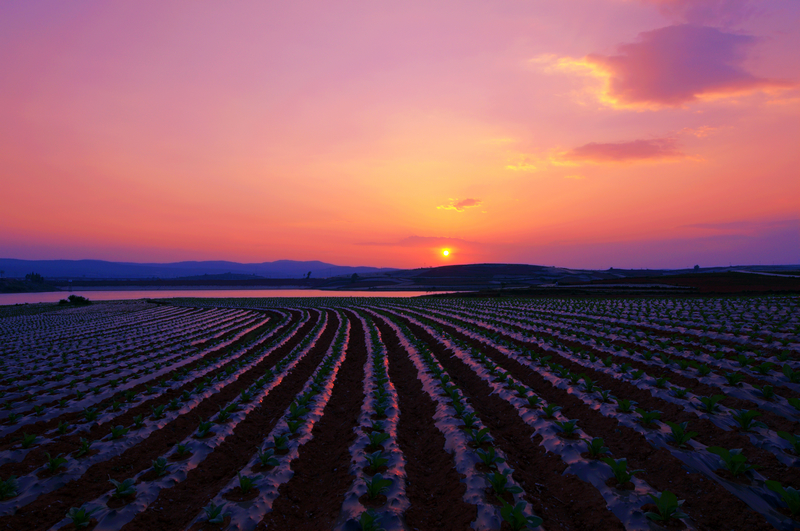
(445, 252)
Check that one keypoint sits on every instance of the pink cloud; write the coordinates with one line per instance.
(460, 205)
(636, 150)
(679, 64)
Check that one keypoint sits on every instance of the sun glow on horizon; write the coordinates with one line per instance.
(445, 252)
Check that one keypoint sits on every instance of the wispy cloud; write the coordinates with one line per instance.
(709, 12)
(460, 205)
(669, 67)
(636, 150)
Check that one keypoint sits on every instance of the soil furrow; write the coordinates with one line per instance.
(175, 507)
(708, 503)
(433, 486)
(48, 509)
(563, 502)
(313, 498)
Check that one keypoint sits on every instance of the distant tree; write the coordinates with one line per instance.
(354, 277)
(697, 268)
(34, 277)
(308, 275)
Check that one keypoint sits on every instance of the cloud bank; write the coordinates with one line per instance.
(636, 150)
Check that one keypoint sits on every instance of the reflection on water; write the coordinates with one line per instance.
(31, 298)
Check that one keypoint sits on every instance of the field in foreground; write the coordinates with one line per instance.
(398, 414)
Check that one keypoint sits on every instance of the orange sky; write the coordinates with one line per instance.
(593, 133)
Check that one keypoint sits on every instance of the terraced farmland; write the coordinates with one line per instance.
(402, 414)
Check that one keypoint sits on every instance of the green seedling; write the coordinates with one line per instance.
(174, 404)
(489, 457)
(54, 463)
(204, 428)
(709, 405)
(764, 368)
(596, 448)
(224, 415)
(704, 370)
(376, 460)
(157, 412)
(9, 488)
(679, 436)
(377, 438)
(794, 402)
(789, 495)
(80, 517)
(766, 391)
(246, 484)
(623, 368)
(267, 458)
(605, 396)
(160, 466)
(746, 419)
(123, 489)
(116, 406)
(734, 379)
(12, 418)
(647, 355)
(90, 414)
(550, 410)
(296, 411)
(637, 374)
(534, 401)
(182, 449)
(608, 362)
(624, 405)
(588, 385)
(138, 422)
(295, 425)
(567, 428)
(479, 437)
(499, 483)
(620, 469)
(732, 460)
(376, 425)
(369, 521)
(794, 440)
(63, 427)
(214, 514)
(794, 376)
(83, 449)
(647, 418)
(281, 442)
(377, 486)
(28, 440)
(118, 432)
(515, 516)
(668, 507)
(662, 382)
(38, 410)
(679, 392)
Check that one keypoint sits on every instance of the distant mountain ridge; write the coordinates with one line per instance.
(14, 268)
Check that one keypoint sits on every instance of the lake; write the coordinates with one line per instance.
(55, 296)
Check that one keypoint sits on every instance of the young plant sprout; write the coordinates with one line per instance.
(789, 495)
(489, 457)
(620, 469)
(377, 438)
(479, 437)
(246, 484)
(794, 440)
(84, 447)
(123, 489)
(369, 521)
(550, 410)
(267, 458)
(647, 418)
(679, 436)
(376, 460)
(214, 514)
(377, 486)
(160, 466)
(732, 460)
(668, 507)
(498, 481)
(709, 405)
(514, 515)
(595, 447)
(54, 463)
(80, 517)
(157, 412)
(746, 419)
(28, 439)
(9, 488)
(567, 428)
(118, 432)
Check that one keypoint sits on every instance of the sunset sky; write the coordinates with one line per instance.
(576, 133)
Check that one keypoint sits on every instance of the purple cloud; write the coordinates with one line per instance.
(708, 12)
(678, 64)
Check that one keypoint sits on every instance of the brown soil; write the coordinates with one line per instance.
(433, 485)
(708, 503)
(313, 498)
(49, 508)
(227, 459)
(235, 495)
(378, 501)
(562, 502)
(612, 482)
(205, 526)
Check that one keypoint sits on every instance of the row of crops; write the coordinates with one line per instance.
(399, 414)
